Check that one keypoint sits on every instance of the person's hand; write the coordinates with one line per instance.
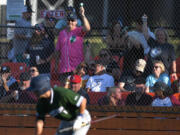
(4, 77)
(81, 11)
(174, 76)
(78, 123)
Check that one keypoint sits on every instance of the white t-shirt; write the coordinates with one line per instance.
(162, 102)
(99, 83)
(140, 37)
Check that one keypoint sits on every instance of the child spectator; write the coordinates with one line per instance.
(162, 98)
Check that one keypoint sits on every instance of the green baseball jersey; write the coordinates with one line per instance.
(64, 104)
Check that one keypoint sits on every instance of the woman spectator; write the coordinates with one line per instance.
(162, 99)
(115, 39)
(161, 50)
(134, 53)
(157, 75)
(33, 71)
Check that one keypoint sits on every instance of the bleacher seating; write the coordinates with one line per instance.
(16, 68)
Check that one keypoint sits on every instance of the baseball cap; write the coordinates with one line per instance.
(160, 86)
(25, 76)
(40, 84)
(5, 69)
(39, 27)
(75, 79)
(140, 65)
(72, 16)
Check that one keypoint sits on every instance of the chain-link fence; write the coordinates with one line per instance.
(123, 52)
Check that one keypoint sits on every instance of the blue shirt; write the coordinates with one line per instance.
(151, 80)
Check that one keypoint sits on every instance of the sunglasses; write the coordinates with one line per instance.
(70, 19)
(32, 70)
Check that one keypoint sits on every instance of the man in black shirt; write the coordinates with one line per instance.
(139, 97)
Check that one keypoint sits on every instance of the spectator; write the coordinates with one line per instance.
(33, 71)
(141, 22)
(134, 52)
(82, 71)
(115, 38)
(40, 51)
(49, 24)
(158, 75)
(113, 97)
(139, 97)
(163, 51)
(110, 64)
(126, 82)
(25, 96)
(8, 82)
(62, 23)
(75, 85)
(21, 35)
(69, 47)
(101, 80)
(161, 98)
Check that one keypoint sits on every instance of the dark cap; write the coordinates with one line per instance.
(50, 18)
(5, 69)
(40, 84)
(100, 62)
(25, 76)
(160, 86)
(72, 16)
(39, 27)
(70, 9)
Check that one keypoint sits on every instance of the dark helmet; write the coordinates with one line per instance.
(40, 84)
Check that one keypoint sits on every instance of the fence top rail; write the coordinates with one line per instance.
(14, 108)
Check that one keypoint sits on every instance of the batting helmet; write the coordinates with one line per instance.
(40, 84)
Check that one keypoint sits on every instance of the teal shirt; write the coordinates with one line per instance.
(64, 104)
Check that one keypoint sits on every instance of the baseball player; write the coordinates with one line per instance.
(61, 103)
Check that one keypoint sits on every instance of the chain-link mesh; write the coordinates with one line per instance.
(106, 56)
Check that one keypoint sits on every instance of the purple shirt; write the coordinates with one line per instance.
(70, 46)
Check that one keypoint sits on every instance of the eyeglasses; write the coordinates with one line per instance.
(156, 67)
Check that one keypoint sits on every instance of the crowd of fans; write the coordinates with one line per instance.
(137, 62)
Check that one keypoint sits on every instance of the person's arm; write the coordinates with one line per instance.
(173, 74)
(57, 57)
(39, 127)
(145, 27)
(86, 24)
(82, 106)
(121, 86)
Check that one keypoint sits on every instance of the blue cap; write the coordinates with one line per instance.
(40, 84)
